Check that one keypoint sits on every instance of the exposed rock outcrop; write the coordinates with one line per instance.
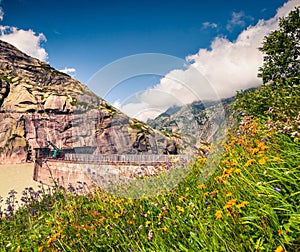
(40, 104)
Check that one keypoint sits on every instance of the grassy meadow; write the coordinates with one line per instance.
(248, 200)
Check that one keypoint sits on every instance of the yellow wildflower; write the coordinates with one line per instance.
(243, 204)
(276, 159)
(159, 217)
(181, 198)
(237, 171)
(164, 229)
(54, 237)
(202, 186)
(262, 146)
(229, 194)
(279, 249)
(262, 161)
(219, 215)
(254, 151)
(40, 249)
(227, 172)
(116, 216)
(234, 163)
(249, 162)
(180, 209)
(148, 223)
(230, 203)
(49, 241)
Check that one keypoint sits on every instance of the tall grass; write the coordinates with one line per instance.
(249, 200)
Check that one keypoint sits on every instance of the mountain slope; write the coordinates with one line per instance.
(198, 121)
(40, 104)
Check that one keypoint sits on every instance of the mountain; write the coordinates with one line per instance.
(40, 104)
(199, 122)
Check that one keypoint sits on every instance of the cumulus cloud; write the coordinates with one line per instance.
(206, 25)
(68, 70)
(218, 72)
(25, 40)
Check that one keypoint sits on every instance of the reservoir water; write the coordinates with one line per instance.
(16, 177)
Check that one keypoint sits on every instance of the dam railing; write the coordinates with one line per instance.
(116, 158)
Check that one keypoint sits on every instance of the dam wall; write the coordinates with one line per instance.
(96, 170)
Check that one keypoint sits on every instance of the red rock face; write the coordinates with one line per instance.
(39, 104)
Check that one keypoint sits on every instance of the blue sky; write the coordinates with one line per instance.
(85, 36)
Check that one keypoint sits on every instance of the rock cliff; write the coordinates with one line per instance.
(40, 104)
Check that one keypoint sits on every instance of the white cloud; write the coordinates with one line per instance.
(25, 40)
(68, 70)
(117, 104)
(263, 10)
(206, 25)
(237, 19)
(227, 67)
(1, 13)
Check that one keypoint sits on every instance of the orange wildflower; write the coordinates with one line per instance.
(206, 194)
(279, 249)
(202, 186)
(230, 213)
(243, 204)
(220, 179)
(262, 146)
(230, 203)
